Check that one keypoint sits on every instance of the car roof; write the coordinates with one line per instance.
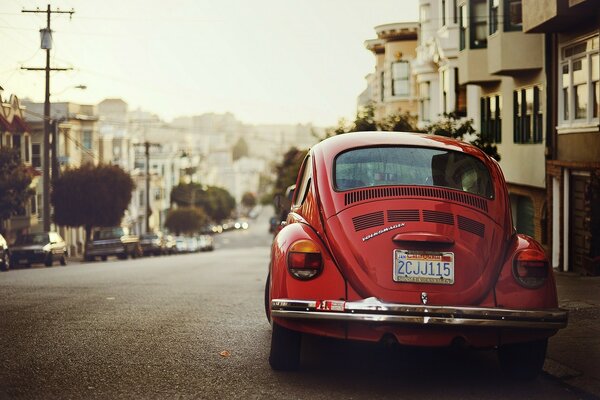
(339, 143)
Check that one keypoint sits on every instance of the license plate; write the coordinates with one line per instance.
(423, 267)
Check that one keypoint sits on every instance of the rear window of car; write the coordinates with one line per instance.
(393, 166)
(111, 233)
(34, 238)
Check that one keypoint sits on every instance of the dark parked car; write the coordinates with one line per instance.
(4, 255)
(153, 244)
(408, 238)
(42, 247)
(114, 241)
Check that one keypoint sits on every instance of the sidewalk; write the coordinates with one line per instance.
(574, 352)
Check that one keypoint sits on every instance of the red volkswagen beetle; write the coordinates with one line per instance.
(410, 237)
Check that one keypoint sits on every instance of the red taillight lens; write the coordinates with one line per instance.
(304, 260)
(530, 268)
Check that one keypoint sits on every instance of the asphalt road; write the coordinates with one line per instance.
(193, 326)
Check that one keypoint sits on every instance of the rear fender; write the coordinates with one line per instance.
(329, 284)
(510, 294)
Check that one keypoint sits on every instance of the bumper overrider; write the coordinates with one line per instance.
(372, 310)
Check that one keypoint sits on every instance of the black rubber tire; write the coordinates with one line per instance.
(104, 258)
(48, 261)
(523, 361)
(63, 260)
(285, 349)
(5, 263)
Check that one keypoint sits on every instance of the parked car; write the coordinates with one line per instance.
(4, 254)
(153, 244)
(42, 248)
(192, 244)
(170, 244)
(407, 237)
(181, 244)
(112, 241)
(205, 243)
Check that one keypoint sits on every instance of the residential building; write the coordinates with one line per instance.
(571, 125)
(436, 65)
(391, 88)
(504, 68)
(115, 139)
(74, 141)
(15, 133)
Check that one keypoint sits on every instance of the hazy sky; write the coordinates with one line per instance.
(266, 61)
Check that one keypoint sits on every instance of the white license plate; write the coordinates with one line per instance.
(424, 267)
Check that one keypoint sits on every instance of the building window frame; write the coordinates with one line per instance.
(381, 86)
(491, 117)
(513, 15)
(528, 117)
(400, 78)
(36, 155)
(493, 18)
(425, 101)
(443, 13)
(478, 24)
(87, 139)
(578, 77)
(463, 22)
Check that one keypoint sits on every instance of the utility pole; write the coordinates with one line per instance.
(46, 44)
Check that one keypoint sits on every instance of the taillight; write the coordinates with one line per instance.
(530, 268)
(304, 260)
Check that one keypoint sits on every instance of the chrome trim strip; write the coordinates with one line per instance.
(372, 310)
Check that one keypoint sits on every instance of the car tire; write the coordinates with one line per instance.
(63, 260)
(267, 295)
(104, 258)
(48, 261)
(285, 349)
(523, 361)
(5, 263)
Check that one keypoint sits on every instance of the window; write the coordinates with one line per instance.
(460, 106)
(400, 78)
(527, 115)
(462, 13)
(381, 86)
(87, 139)
(398, 166)
(578, 102)
(494, 9)
(26, 149)
(478, 24)
(16, 142)
(513, 15)
(491, 121)
(424, 101)
(523, 214)
(445, 90)
(454, 12)
(443, 11)
(300, 194)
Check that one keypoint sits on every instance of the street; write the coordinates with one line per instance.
(193, 326)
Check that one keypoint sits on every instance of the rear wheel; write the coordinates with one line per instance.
(523, 361)
(48, 261)
(285, 349)
(63, 260)
(267, 294)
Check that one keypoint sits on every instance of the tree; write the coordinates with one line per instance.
(365, 121)
(91, 196)
(451, 125)
(248, 200)
(287, 169)
(240, 149)
(185, 220)
(15, 179)
(216, 202)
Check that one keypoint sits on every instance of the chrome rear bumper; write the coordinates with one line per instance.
(372, 310)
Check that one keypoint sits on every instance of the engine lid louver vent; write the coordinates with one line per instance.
(470, 225)
(438, 217)
(403, 215)
(368, 220)
(416, 191)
